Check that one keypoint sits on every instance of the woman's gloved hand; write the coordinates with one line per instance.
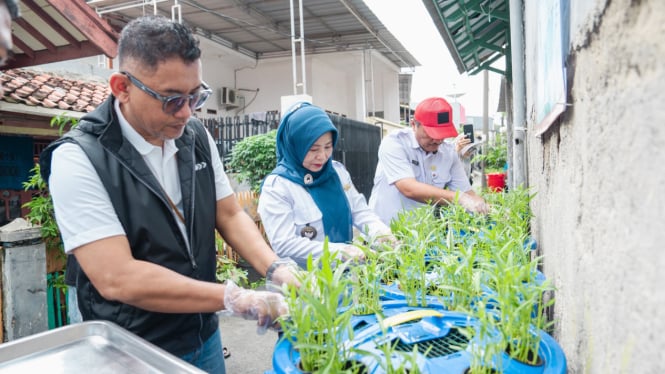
(351, 252)
(386, 238)
(262, 306)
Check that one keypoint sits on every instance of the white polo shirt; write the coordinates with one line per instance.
(400, 157)
(83, 207)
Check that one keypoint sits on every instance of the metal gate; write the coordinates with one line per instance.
(357, 148)
(228, 131)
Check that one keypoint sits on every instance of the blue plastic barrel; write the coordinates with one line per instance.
(434, 332)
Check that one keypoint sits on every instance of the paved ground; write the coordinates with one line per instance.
(251, 353)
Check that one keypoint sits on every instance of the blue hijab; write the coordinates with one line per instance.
(298, 130)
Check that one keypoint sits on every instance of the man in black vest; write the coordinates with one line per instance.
(139, 189)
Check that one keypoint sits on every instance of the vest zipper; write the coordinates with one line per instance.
(190, 227)
(190, 254)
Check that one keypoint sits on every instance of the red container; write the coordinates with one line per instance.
(496, 181)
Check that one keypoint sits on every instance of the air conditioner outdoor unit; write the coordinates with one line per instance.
(228, 97)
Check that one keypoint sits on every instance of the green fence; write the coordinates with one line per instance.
(56, 300)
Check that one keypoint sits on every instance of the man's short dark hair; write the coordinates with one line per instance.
(12, 6)
(151, 40)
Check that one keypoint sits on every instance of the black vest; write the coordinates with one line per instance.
(151, 227)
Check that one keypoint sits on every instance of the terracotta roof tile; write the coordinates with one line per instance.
(35, 88)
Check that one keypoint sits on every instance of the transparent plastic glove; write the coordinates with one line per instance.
(282, 272)
(474, 204)
(262, 306)
(351, 252)
(386, 238)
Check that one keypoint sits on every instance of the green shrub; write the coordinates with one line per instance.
(253, 158)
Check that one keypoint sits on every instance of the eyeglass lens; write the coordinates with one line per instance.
(174, 104)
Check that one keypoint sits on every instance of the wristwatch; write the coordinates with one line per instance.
(277, 263)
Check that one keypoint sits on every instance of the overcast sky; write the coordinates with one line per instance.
(410, 23)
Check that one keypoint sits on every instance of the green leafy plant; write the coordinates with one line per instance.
(253, 158)
(62, 121)
(479, 265)
(510, 273)
(486, 347)
(228, 269)
(317, 324)
(390, 359)
(494, 155)
(366, 279)
(40, 207)
(40, 212)
(420, 232)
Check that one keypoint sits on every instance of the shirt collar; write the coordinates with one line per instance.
(135, 139)
(413, 140)
(415, 145)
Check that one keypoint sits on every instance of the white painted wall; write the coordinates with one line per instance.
(599, 187)
(334, 80)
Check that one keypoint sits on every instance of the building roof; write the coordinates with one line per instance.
(476, 32)
(262, 29)
(60, 30)
(56, 30)
(41, 89)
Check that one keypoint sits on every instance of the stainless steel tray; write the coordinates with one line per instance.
(88, 347)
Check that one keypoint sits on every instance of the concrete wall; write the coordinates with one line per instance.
(599, 183)
(23, 275)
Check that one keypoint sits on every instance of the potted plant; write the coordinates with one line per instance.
(315, 329)
(460, 293)
(494, 157)
(366, 279)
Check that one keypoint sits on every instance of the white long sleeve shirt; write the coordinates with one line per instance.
(286, 208)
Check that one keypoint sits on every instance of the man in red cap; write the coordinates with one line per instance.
(417, 167)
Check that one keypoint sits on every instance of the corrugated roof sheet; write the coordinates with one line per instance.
(262, 29)
(477, 32)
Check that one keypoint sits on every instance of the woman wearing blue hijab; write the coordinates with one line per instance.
(309, 196)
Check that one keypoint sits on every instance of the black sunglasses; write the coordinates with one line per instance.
(172, 104)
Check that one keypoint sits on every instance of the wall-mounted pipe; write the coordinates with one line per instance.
(518, 164)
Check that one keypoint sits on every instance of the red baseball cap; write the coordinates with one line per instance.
(436, 117)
